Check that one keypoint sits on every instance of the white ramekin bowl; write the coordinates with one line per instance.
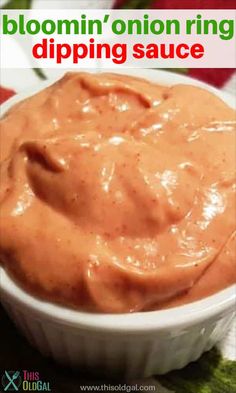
(128, 345)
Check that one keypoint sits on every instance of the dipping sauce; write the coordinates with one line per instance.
(118, 195)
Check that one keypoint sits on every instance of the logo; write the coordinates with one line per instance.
(11, 381)
(18, 381)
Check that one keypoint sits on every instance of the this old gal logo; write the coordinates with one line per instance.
(29, 381)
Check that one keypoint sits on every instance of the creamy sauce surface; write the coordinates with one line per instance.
(118, 195)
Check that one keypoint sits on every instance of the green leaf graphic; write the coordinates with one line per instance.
(136, 4)
(17, 5)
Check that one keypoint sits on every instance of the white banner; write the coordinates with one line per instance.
(76, 38)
